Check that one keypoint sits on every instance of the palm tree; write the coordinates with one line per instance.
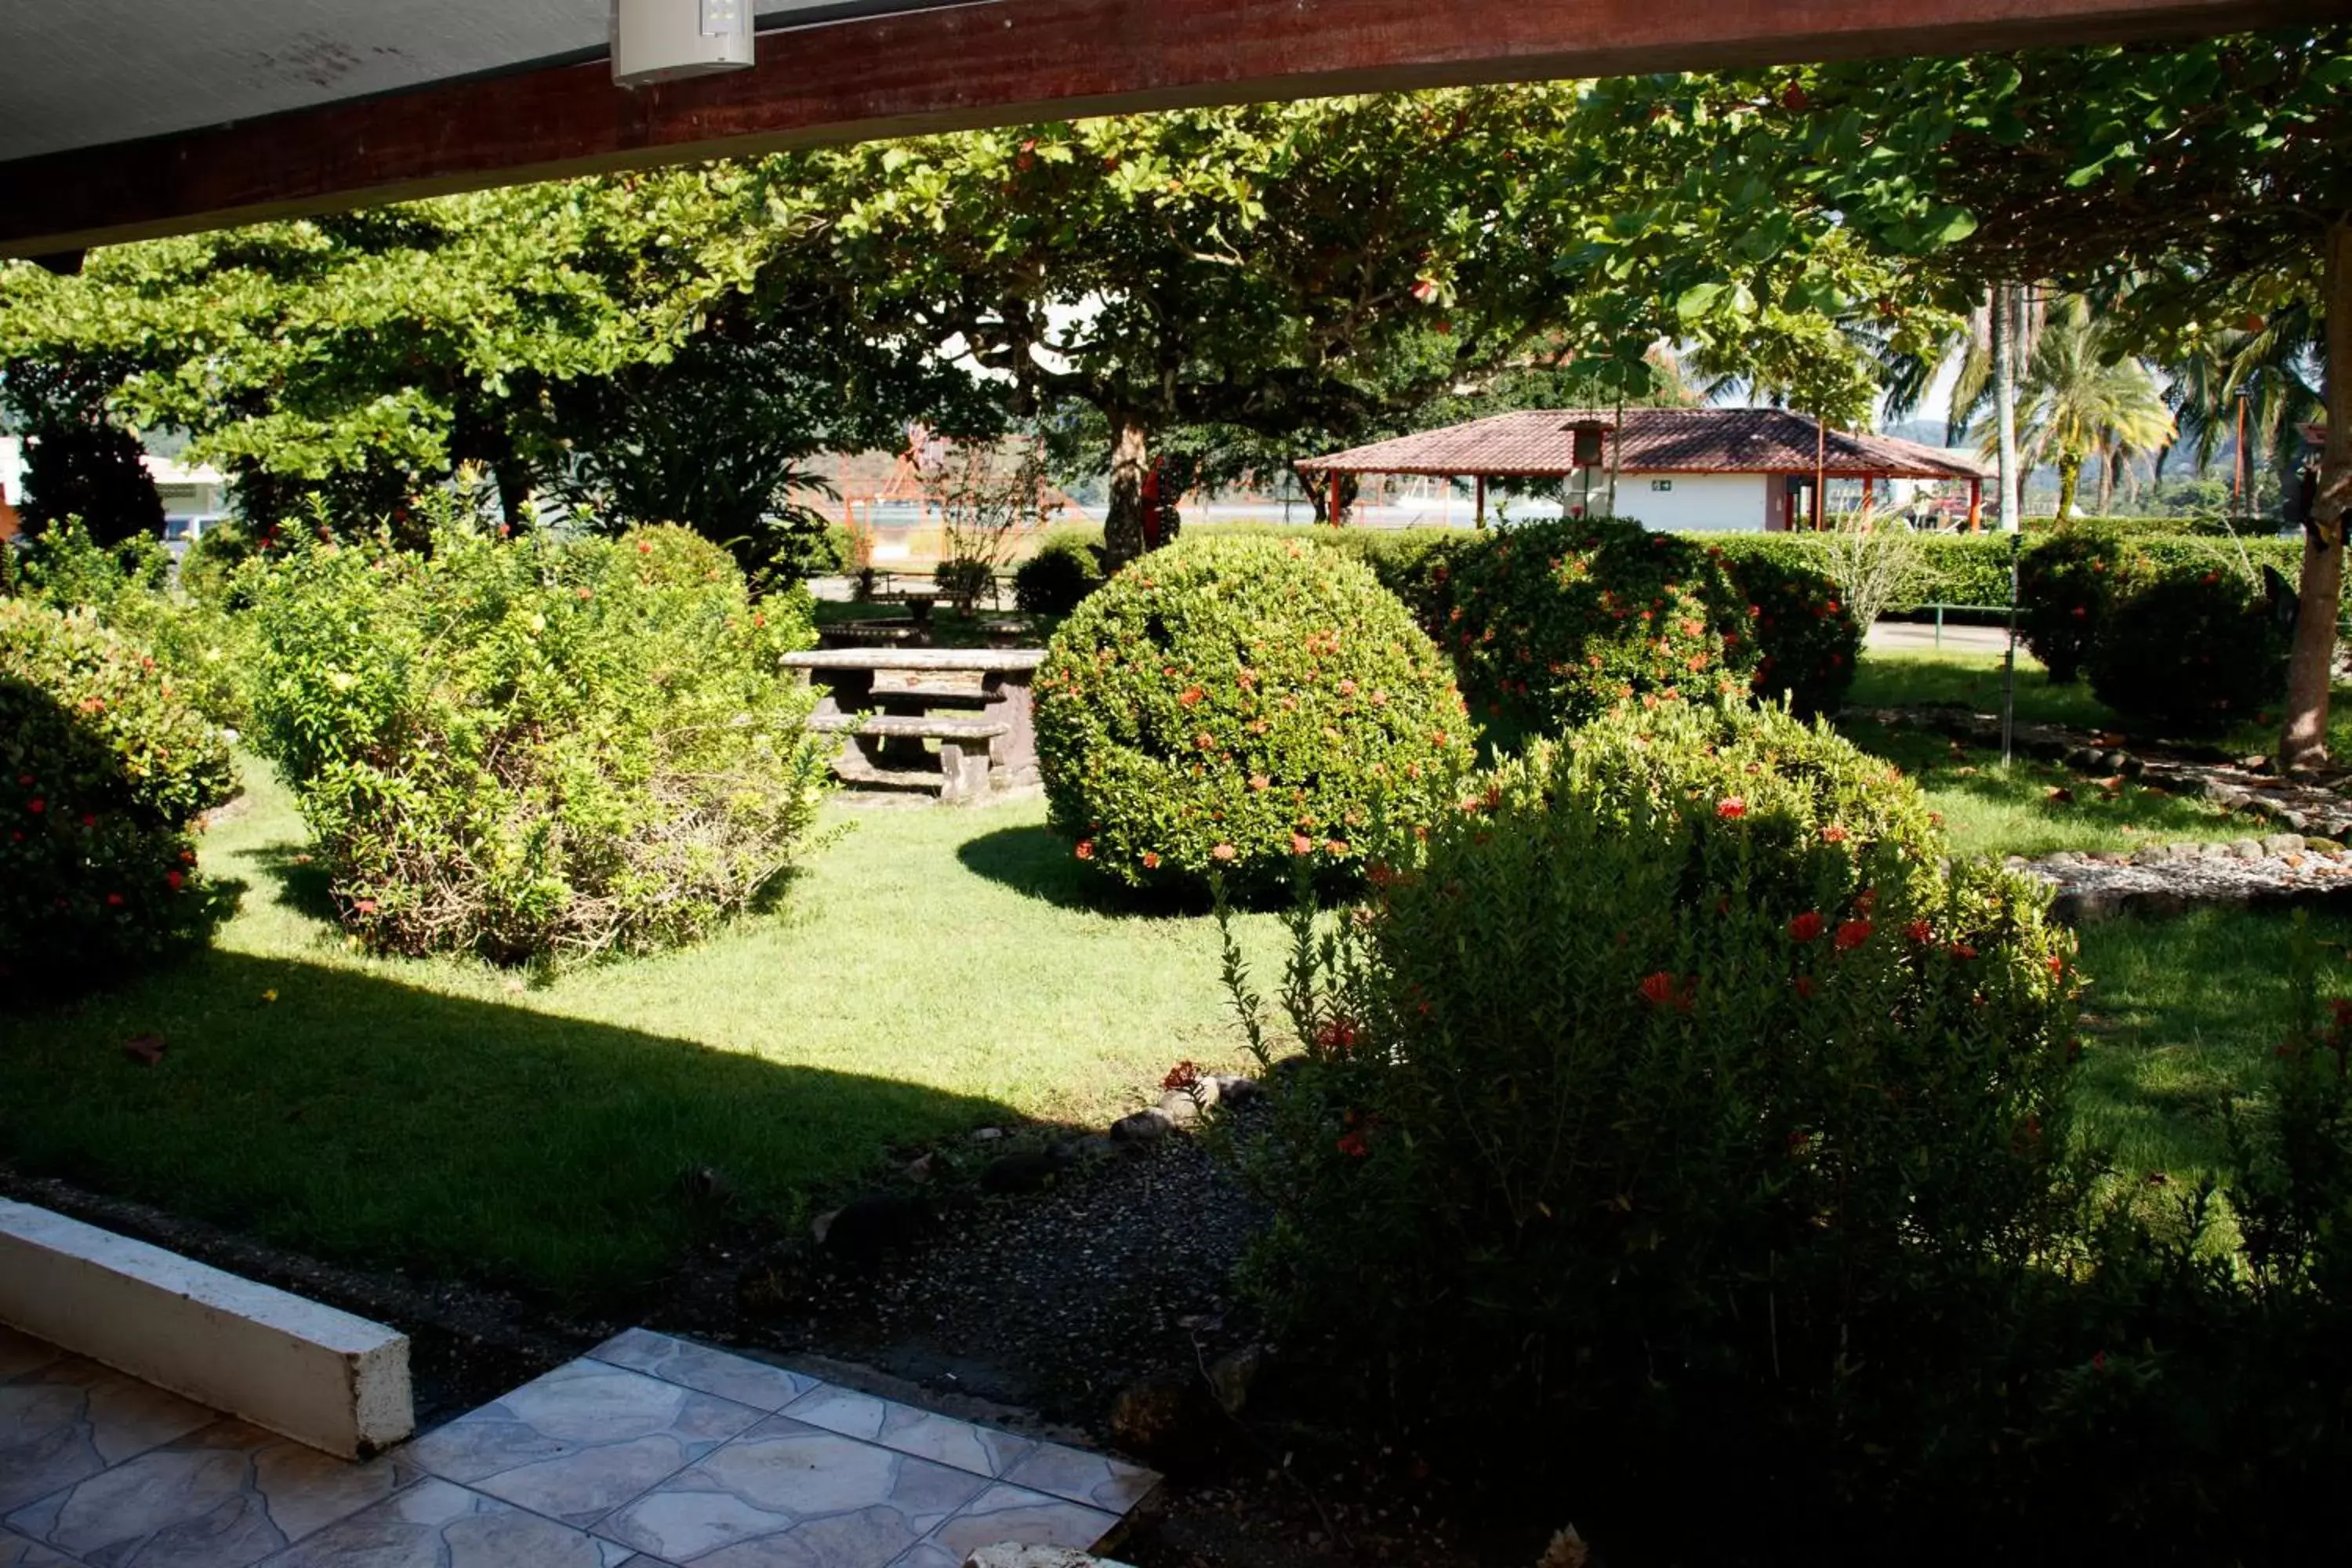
(2078, 400)
(2274, 359)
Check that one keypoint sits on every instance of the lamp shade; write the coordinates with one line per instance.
(664, 40)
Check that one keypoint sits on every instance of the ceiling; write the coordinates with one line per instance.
(87, 72)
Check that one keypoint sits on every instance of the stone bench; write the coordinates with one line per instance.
(854, 681)
(883, 746)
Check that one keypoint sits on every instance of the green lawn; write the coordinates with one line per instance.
(2181, 1015)
(1908, 678)
(931, 971)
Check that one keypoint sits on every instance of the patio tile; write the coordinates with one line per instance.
(982, 1450)
(1094, 1480)
(223, 1496)
(581, 1441)
(15, 1552)
(21, 1353)
(698, 1367)
(1015, 1513)
(66, 1421)
(794, 1496)
(930, 1554)
(436, 1524)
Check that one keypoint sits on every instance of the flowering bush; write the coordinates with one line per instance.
(1807, 639)
(104, 767)
(2194, 652)
(2067, 587)
(1229, 705)
(536, 749)
(1673, 1097)
(1555, 622)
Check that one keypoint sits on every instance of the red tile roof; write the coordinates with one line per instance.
(1536, 443)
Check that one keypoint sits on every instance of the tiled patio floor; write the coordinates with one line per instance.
(649, 1451)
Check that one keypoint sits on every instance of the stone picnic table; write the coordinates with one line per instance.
(987, 735)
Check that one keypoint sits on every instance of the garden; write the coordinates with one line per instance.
(1471, 1029)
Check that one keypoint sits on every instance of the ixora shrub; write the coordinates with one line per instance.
(533, 750)
(104, 767)
(1555, 622)
(1807, 640)
(2193, 652)
(1226, 705)
(2068, 585)
(1678, 1110)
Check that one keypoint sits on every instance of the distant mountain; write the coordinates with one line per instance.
(1927, 432)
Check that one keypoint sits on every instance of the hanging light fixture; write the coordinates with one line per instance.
(665, 40)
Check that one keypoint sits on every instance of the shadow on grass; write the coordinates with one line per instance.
(304, 886)
(365, 1121)
(1036, 862)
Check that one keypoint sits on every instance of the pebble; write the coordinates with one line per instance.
(1146, 1126)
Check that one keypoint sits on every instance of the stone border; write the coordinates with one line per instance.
(2283, 871)
(320, 1376)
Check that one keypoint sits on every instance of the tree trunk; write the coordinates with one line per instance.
(2004, 401)
(2310, 668)
(2110, 464)
(2069, 483)
(1123, 527)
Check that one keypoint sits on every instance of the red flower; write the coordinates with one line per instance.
(2057, 967)
(36, 807)
(1184, 1075)
(1731, 807)
(1152, 859)
(1085, 849)
(1352, 1145)
(1191, 696)
(173, 879)
(114, 900)
(1962, 950)
(1301, 845)
(1337, 1035)
(1835, 835)
(1336, 847)
(1853, 934)
(1805, 926)
(1805, 986)
(364, 906)
(1662, 990)
(1920, 931)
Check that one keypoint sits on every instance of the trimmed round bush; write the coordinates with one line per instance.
(1684, 1095)
(1553, 623)
(2068, 585)
(105, 765)
(1229, 705)
(538, 750)
(1054, 581)
(1807, 641)
(2191, 652)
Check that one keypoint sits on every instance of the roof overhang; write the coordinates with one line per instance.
(465, 95)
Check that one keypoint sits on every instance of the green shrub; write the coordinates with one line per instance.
(1807, 640)
(1223, 705)
(538, 750)
(2069, 583)
(1677, 1118)
(2192, 652)
(1416, 565)
(1054, 581)
(104, 767)
(1555, 622)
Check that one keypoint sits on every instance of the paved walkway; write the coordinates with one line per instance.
(648, 1452)
(1920, 636)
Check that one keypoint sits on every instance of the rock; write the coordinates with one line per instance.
(2014, 862)
(2112, 762)
(1287, 1066)
(1232, 1376)
(1013, 1554)
(2064, 858)
(1179, 1106)
(2154, 855)
(863, 1231)
(1093, 1146)
(1023, 1172)
(2282, 844)
(2082, 759)
(919, 1170)
(2246, 849)
(2131, 767)
(2213, 850)
(2183, 851)
(1171, 1423)
(986, 1134)
(1235, 1089)
(1147, 1126)
(2225, 794)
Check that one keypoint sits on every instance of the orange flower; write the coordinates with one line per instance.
(1835, 835)
(1222, 852)
(1191, 696)
(1259, 780)
(1731, 807)
(1085, 849)
(1152, 859)
(1300, 844)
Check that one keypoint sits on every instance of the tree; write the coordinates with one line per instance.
(2080, 403)
(371, 353)
(79, 462)
(2212, 178)
(1269, 270)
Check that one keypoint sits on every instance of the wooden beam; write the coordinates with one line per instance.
(989, 64)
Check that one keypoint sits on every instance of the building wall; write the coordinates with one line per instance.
(1696, 503)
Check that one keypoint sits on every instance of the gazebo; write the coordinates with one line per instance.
(1728, 460)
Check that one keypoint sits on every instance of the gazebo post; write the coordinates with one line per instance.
(1976, 505)
(1333, 504)
(1481, 500)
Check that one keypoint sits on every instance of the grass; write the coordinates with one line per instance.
(2182, 1014)
(929, 971)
